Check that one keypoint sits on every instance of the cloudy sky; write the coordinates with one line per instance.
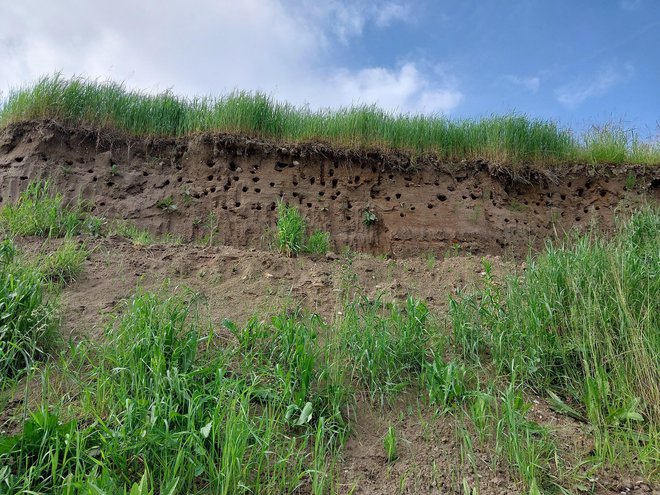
(579, 62)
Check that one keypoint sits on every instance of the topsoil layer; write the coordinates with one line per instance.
(187, 185)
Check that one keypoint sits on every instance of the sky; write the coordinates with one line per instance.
(580, 63)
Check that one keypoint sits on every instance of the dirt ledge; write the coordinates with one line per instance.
(422, 206)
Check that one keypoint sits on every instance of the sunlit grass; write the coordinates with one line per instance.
(581, 325)
(507, 139)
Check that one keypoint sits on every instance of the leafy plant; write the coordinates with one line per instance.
(582, 322)
(211, 227)
(447, 383)
(131, 232)
(40, 446)
(385, 344)
(26, 318)
(369, 217)
(525, 444)
(63, 265)
(167, 204)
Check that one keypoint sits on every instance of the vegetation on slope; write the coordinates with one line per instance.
(167, 405)
(510, 140)
(26, 318)
(582, 326)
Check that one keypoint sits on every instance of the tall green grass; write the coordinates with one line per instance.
(164, 405)
(582, 326)
(386, 344)
(26, 318)
(159, 402)
(508, 139)
(41, 212)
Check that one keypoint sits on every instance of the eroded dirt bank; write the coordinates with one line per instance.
(186, 185)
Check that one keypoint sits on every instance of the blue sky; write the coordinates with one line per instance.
(578, 62)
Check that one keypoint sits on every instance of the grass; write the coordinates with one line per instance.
(390, 444)
(511, 140)
(290, 233)
(580, 326)
(40, 212)
(386, 345)
(130, 231)
(26, 317)
(290, 230)
(264, 416)
(64, 265)
(318, 242)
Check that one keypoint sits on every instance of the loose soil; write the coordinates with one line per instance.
(435, 228)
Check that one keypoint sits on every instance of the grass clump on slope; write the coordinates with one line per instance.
(39, 212)
(26, 318)
(582, 324)
(508, 140)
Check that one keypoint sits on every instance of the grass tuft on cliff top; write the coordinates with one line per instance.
(510, 140)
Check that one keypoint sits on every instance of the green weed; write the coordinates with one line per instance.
(390, 444)
(385, 345)
(265, 416)
(167, 204)
(369, 217)
(526, 445)
(447, 383)
(290, 233)
(290, 229)
(130, 231)
(582, 322)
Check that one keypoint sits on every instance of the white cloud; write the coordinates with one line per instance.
(531, 83)
(391, 12)
(212, 46)
(576, 92)
(347, 19)
(404, 90)
(216, 46)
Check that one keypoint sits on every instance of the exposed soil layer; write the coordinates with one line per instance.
(238, 284)
(184, 185)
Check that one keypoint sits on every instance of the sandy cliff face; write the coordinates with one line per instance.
(184, 185)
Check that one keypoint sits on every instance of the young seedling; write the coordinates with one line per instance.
(390, 444)
(167, 204)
